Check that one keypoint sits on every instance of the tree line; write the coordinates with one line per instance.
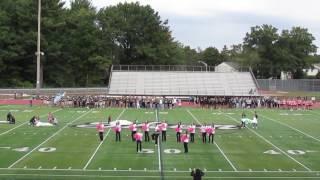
(80, 42)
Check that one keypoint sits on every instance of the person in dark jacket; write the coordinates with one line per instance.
(10, 118)
(197, 174)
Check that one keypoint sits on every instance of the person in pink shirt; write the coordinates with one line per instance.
(211, 131)
(203, 130)
(138, 137)
(164, 126)
(133, 129)
(117, 130)
(146, 128)
(100, 129)
(178, 132)
(156, 133)
(185, 140)
(192, 131)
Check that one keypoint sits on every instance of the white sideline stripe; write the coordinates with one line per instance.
(176, 177)
(284, 124)
(48, 139)
(25, 123)
(136, 170)
(233, 167)
(274, 146)
(159, 160)
(95, 152)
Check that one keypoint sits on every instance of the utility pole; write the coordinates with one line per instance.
(38, 53)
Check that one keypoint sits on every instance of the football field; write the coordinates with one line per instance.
(286, 145)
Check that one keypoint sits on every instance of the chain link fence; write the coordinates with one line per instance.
(290, 84)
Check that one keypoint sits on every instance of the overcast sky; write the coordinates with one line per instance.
(204, 23)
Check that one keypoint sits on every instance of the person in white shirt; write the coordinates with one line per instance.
(118, 131)
(255, 121)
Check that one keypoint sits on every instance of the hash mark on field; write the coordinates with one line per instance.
(250, 170)
(283, 152)
(69, 168)
(284, 124)
(228, 160)
(89, 161)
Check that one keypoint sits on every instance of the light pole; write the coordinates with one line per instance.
(38, 53)
(205, 64)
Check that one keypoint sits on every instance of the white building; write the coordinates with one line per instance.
(227, 67)
(313, 71)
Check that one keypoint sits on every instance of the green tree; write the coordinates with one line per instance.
(211, 56)
(262, 39)
(295, 50)
(138, 34)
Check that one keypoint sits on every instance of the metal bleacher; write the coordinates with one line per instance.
(180, 82)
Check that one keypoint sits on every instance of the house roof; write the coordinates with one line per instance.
(317, 66)
(232, 64)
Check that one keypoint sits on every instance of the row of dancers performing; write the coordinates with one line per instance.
(183, 134)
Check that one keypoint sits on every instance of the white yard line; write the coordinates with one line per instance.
(25, 123)
(142, 170)
(224, 155)
(284, 124)
(157, 177)
(159, 158)
(95, 152)
(304, 166)
(48, 139)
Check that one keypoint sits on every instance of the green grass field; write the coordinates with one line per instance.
(286, 145)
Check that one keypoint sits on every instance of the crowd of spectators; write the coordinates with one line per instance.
(172, 102)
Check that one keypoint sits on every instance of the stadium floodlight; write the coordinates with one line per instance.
(38, 53)
(205, 64)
